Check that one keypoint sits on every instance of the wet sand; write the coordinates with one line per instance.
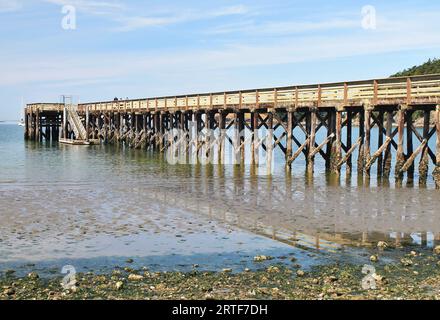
(97, 208)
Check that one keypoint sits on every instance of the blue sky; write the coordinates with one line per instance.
(148, 48)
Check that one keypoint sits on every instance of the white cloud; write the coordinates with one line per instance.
(284, 27)
(129, 23)
(91, 7)
(10, 5)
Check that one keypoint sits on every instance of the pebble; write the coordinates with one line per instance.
(374, 258)
(227, 270)
(9, 291)
(262, 258)
(406, 262)
(273, 269)
(33, 275)
(437, 250)
(382, 245)
(135, 277)
(119, 285)
(300, 273)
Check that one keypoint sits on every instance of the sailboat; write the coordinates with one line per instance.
(21, 123)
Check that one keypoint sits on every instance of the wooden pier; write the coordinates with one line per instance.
(387, 104)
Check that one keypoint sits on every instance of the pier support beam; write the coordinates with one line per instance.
(312, 135)
(367, 143)
(380, 119)
(436, 172)
(349, 163)
(336, 153)
(409, 143)
(424, 160)
(289, 138)
(361, 160)
(37, 126)
(388, 156)
(255, 138)
(221, 136)
(269, 143)
(400, 157)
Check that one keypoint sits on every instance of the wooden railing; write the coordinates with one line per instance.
(404, 90)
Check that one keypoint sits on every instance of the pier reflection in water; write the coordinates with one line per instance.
(66, 202)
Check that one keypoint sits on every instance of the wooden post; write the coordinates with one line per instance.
(336, 154)
(222, 135)
(269, 143)
(37, 125)
(255, 139)
(330, 145)
(367, 146)
(380, 165)
(409, 143)
(312, 136)
(289, 138)
(183, 134)
(349, 142)
(436, 172)
(388, 155)
(241, 127)
(198, 118)
(26, 125)
(161, 130)
(87, 123)
(209, 125)
(424, 161)
(145, 129)
(361, 159)
(236, 140)
(400, 157)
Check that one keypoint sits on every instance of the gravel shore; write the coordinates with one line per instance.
(416, 275)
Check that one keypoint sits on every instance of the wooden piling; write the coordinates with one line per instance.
(349, 162)
(312, 142)
(289, 137)
(361, 160)
(255, 138)
(269, 143)
(380, 120)
(336, 154)
(388, 156)
(409, 143)
(400, 157)
(424, 160)
(436, 173)
(367, 143)
(37, 125)
(221, 136)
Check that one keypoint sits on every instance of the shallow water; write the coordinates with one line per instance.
(94, 207)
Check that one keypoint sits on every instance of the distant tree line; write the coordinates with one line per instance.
(429, 67)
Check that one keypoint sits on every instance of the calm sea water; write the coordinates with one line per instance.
(95, 207)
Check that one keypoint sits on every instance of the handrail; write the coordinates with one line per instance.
(423, 88)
